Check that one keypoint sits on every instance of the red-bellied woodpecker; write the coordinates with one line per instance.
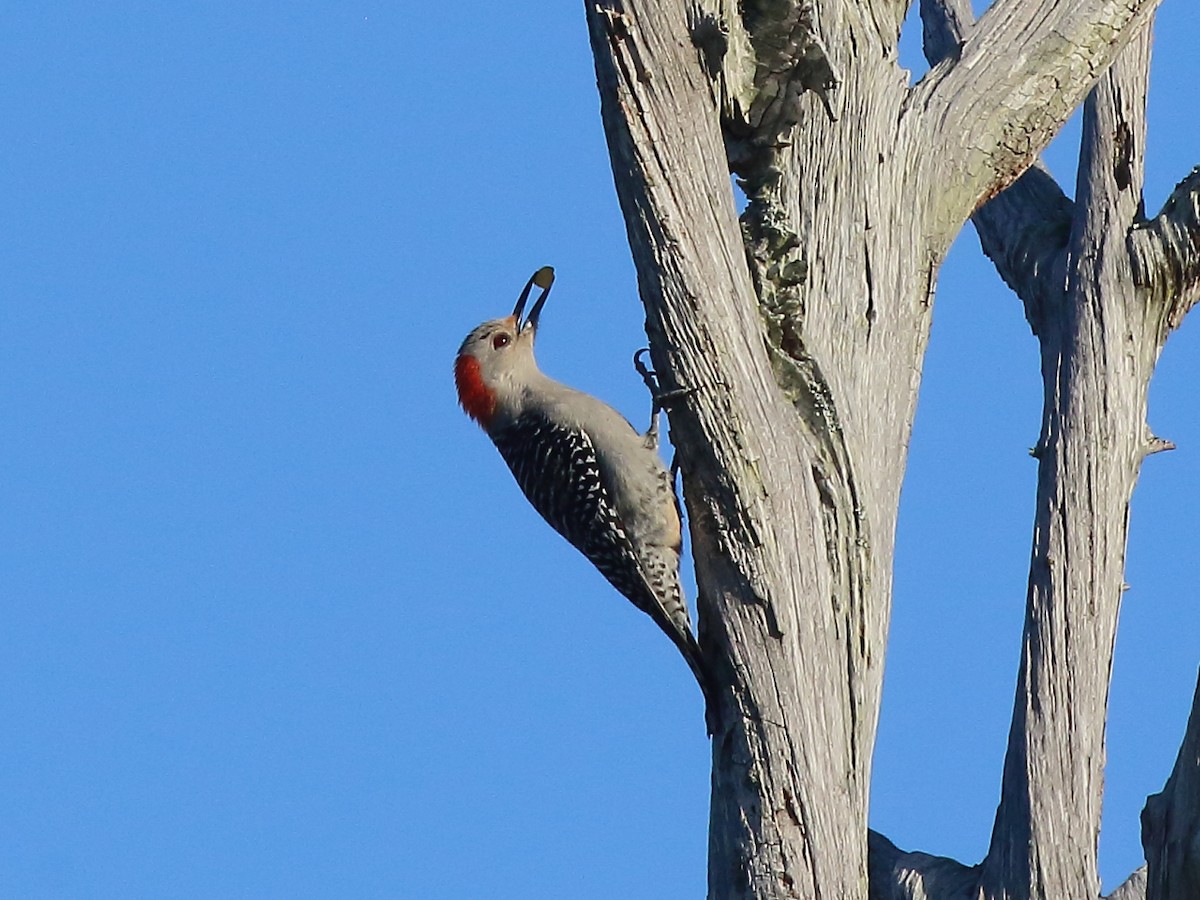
(599, 483)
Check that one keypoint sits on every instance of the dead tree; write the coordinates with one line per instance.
(802, 326)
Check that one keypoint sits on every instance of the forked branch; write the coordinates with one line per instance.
(989, 107)
(1024, 229)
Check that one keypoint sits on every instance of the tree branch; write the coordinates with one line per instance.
(1098, 352)
(1132, 888)
(803, 331)
(1171, 822)
(1024, 229)
(1018, 75)
(899, 875)
(1166, 251)
(888, 16)
(945, 25)
(1024, 232)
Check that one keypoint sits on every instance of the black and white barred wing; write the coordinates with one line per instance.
(556, 468)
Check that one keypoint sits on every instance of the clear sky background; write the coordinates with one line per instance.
(276, 620)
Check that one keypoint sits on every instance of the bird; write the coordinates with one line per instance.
(586, 470)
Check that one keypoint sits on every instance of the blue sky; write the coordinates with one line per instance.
(277, 621)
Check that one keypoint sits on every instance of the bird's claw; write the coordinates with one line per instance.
(661, 398)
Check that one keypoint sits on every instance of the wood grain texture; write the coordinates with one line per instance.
(1103, 330)
(781, 823)
(1098, 349)
(986, 111)
(802, 327)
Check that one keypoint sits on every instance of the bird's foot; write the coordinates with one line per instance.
(659, 399)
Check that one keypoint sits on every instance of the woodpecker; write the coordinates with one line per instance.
(583, 467)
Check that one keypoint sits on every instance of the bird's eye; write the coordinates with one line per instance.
(500, 340)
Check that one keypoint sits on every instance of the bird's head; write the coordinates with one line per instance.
(497, 355)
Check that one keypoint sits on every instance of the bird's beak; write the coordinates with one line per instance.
(543, 278)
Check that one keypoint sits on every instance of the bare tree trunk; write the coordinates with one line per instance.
(1099, 344)
(1101, 322)
(803, 329)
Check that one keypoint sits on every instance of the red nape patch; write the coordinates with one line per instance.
(476, 397)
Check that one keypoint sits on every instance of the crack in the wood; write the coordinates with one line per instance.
(616, 22)
(870, 313)
(1123, 156)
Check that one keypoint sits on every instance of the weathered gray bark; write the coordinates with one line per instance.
(1102, 290)
(803, 326)
(1099, 344)
(1171, 823)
